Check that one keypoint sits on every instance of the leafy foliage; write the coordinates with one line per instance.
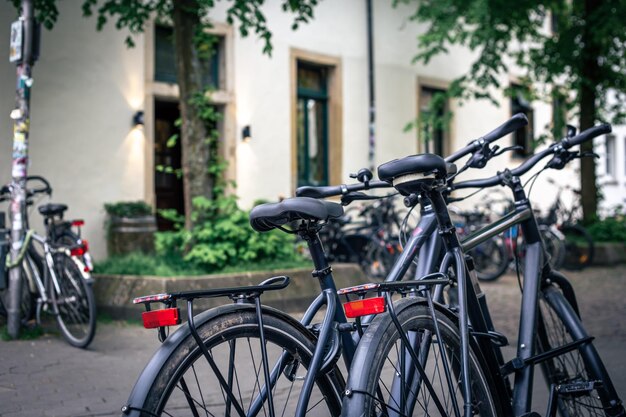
(128, 209)
(133, 15)
(610, 229)
(541, 38)
(222, 237)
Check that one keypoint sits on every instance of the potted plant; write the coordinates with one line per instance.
(130, 227)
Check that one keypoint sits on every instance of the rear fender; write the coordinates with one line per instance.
(142, 387)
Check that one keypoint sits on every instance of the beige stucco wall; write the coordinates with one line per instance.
(88, 85)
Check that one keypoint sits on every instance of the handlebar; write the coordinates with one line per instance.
(514, 123)
(586, 135)
(334, 190)
(533, 160)
(517, 121)
(5, 190)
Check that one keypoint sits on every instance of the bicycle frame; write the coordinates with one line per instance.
(434, 237)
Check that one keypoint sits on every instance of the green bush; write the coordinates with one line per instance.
(611, 229)
(128, 209)
(222, 237)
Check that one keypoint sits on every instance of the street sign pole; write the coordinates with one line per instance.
(23, 53)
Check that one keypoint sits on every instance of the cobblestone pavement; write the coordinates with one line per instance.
(47, 377)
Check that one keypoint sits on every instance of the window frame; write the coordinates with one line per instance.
(224, 97)
(448, 134)
(334, 109)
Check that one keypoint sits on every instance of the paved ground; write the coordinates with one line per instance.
(47, 377)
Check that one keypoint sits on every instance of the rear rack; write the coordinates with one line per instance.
(437, 278)
(247, 292)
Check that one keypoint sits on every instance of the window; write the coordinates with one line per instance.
(312, 124)
(522, 137)
(610, 156)
(165, 58)
(433, 107)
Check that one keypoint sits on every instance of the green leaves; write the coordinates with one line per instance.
(222, 237)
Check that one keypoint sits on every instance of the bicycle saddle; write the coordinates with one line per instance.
(268, 216)
(407, 172)
(52, 209)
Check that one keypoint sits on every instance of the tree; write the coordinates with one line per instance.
(190, 20)
(576, 48)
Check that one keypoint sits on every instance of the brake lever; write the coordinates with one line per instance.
(588, 154)
(509, 148)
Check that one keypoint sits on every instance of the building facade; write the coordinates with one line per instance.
(298, 117)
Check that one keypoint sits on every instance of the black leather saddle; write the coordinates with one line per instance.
(426, 163)
(268, 216)
(52, 209)
(413, 171)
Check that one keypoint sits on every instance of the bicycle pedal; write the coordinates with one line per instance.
(579, 387)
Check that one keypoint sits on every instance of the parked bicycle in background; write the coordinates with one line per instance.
(55, 269)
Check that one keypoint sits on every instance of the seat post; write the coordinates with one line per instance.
(322, 270)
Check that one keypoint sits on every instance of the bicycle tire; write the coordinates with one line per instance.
(373, 371)
(228, 336)
(74, 301)
(583, 364)
(491, 259)
(554, 245)
(579, 247)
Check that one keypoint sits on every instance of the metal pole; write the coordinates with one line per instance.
(372, 97)
(21, 122)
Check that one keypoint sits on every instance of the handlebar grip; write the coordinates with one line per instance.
(334, 190)
(511, 125)
(318, 192)
(586, 135)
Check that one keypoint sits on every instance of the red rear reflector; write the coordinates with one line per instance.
(77, 251)
(78, 223)
(364, 307)
(160, 318)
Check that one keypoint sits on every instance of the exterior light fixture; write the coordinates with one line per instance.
(246, 133)
(138, 118)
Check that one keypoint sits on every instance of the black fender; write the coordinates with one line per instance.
(140, 391)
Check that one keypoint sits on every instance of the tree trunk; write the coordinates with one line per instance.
(590, 74)
(194, 146)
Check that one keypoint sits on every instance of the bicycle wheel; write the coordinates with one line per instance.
(74, 301)
(186, 385)
(579, 248)
(577, 366)
(554, 245)
(491, 259)
(380, 387)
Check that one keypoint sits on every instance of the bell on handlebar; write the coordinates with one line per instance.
(364, 175)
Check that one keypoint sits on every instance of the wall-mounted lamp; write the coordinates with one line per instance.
(246, 133)
(138, 118)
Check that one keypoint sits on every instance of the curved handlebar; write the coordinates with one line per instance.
(334, 190)
(517, 121)
(533, 160)
(5, 190)
(586, 135)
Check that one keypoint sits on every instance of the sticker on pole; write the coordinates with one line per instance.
(17, 31)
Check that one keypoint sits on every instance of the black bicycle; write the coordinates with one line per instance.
(247, 359)
(434, 350)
